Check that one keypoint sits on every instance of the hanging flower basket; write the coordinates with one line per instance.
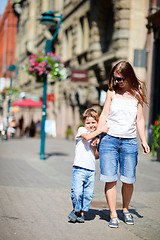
(40, 65)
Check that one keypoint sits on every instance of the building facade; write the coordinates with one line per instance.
(94, 35)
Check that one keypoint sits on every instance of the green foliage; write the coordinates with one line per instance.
(156, 136)
(69, 132)
(10, 92)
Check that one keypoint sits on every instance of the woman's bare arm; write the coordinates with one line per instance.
(106, 109)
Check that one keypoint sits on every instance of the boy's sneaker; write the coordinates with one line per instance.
(128, 218)
(72, 217)
(114, 222)
(80, 219)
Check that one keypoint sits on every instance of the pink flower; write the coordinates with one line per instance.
(38, 69)
(42, 64)
(31, 69)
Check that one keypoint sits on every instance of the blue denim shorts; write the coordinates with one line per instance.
(118, 153)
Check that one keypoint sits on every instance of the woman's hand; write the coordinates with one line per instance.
(146, 148)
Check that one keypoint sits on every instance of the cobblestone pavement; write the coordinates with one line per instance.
(35, 196)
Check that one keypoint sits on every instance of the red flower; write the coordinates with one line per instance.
(156, 122)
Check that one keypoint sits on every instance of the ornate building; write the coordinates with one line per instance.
(93, 36)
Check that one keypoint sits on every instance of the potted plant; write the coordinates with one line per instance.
(156, 138)
(42, 64)
(69, 133)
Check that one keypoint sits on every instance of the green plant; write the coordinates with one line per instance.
(10, 92)
(156, 135)
(69, 132)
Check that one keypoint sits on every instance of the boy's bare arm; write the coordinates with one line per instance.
(96, 153)
(91, 135)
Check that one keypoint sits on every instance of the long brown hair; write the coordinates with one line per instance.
(128, 73)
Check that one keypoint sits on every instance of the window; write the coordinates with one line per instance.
(83, 32)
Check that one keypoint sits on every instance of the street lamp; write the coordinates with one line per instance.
(48, 19)
(11, 69)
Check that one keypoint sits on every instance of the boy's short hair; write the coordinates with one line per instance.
(90, 112)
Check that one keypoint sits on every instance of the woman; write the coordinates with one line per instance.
(122, 113)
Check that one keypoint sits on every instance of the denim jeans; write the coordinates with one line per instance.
(117, 152)
(82, 188)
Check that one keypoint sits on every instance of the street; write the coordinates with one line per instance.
(35, 196)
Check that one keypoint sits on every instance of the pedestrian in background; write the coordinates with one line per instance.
(32, 129)
(20, 125)
(122, 113)
(84, 166)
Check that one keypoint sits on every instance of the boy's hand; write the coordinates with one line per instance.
(94, 142)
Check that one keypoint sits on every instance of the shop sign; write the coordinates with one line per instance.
(79, 75)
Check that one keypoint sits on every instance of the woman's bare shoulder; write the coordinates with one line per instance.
(110, 94)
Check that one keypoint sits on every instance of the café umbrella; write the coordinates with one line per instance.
(27, 103)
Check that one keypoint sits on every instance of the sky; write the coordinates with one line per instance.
(3, 4)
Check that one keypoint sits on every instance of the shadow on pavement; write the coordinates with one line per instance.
(48, 155)
(155, 160)
(92, 213)
(105, 214)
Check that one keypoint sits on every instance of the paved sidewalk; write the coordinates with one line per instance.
(35, 196)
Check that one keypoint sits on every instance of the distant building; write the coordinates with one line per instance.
(8, 31)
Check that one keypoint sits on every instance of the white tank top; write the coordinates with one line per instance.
(122, 117)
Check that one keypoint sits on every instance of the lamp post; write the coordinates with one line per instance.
(48, 19)
(11, 69)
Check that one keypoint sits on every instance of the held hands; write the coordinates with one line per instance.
(94, 142)
(146, 148)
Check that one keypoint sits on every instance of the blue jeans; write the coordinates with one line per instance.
(82, 188)
(114, 151)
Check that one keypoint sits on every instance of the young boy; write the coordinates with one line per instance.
(84, 166)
